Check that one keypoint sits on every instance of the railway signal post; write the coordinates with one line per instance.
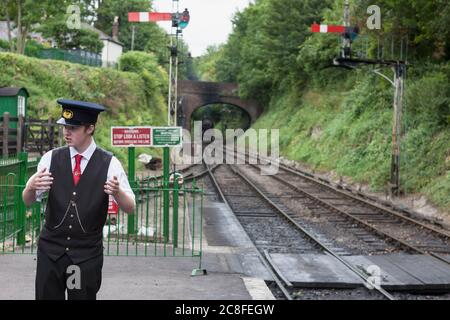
(346, 61)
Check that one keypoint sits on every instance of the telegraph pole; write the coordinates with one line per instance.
(399, 70)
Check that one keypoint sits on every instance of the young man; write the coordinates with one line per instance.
(80, 177)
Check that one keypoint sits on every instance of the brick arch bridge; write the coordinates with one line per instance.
(195, 94)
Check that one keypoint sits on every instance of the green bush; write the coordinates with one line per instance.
(146, 65)
(33, 48)
(4, 44)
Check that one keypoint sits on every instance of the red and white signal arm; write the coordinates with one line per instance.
(113, 207)
(323, 28)
(149, 16)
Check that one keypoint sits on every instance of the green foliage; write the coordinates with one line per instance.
(4, 44)
(66, 38)
(349, 132)
(261, 53)
(26, 14)
(146, 65)
(126, 96)
(33, 48)
(315, 58)
(429, 100)
(424, 23)
(206, 64)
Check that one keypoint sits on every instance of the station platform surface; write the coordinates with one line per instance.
(234, 271)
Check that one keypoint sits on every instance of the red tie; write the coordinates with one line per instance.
(77, 170)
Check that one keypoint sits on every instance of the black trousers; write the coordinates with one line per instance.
(53, 278)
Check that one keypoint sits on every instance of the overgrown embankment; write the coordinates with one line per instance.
(347, 129)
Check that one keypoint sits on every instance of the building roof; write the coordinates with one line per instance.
(11, 91)
(112, 40)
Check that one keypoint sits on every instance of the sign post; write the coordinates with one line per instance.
(166, 195)
(131, 177)
(166, 137)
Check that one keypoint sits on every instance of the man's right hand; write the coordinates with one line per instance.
(41, 181)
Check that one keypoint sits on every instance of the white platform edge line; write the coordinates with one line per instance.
(257, 289)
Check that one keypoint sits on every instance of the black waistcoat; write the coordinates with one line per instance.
(75, 215)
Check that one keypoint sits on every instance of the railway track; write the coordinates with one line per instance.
(272, 227)
(369, 222)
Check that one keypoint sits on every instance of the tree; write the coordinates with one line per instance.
(6, 11)
(29, 14)
(261, 53)
(147, 36)
(67, 38)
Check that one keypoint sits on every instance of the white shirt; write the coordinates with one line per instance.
(115, 168)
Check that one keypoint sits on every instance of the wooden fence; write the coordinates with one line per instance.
(32, 135)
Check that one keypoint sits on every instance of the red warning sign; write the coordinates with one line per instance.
(113, 207)
(131, 136)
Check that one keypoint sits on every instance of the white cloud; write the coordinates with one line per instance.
(210, 20)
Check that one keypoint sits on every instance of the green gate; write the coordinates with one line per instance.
(150, 231)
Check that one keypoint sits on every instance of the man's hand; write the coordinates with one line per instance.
(112, 187)
(125, 202)
(42, 181)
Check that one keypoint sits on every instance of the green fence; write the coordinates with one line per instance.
(12, 166)
(76, 56)
(150, 231)
(14, 171)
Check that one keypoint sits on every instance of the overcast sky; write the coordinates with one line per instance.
(210, 21)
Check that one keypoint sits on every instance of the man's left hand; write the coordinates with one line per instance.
(112, 187)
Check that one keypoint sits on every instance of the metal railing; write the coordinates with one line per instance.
(17, 167)
(149, 231)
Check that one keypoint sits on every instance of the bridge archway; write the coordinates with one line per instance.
(196, 94)
(230, 116)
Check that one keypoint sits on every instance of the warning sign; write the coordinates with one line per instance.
(131, 136)
(146, 136)
(113, 208)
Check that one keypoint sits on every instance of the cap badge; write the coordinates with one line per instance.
(67, 114)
